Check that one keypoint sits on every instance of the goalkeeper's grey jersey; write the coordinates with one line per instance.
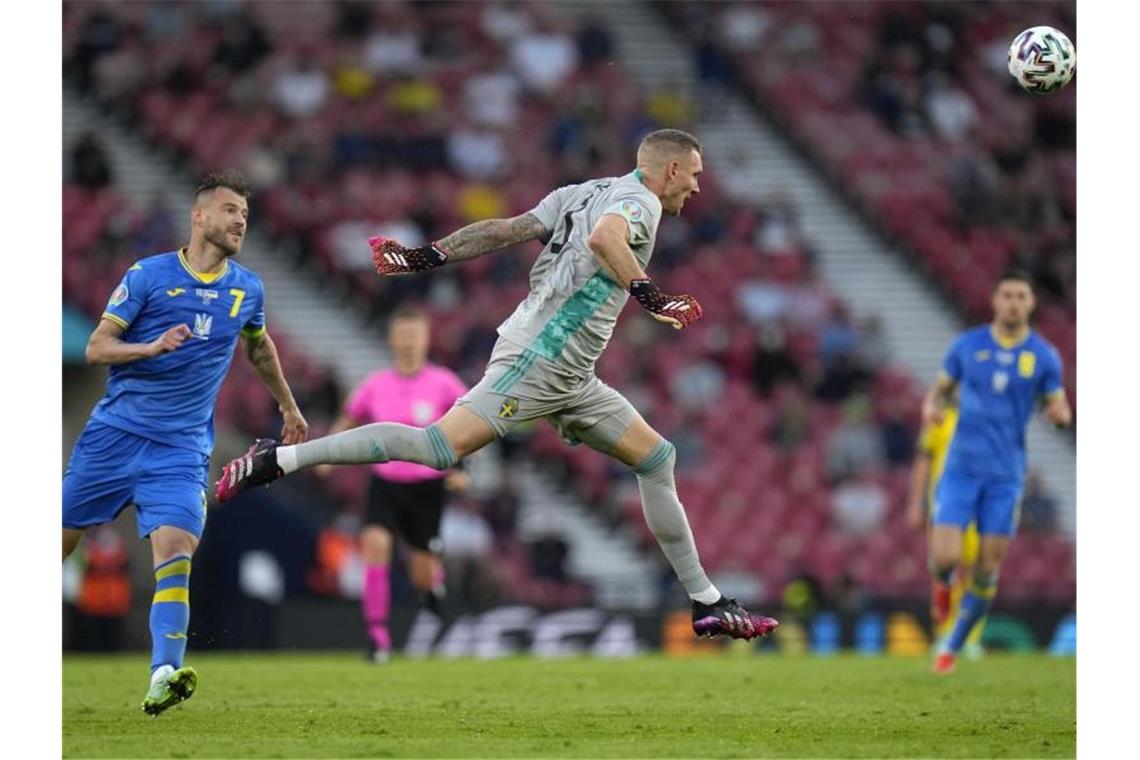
(572, 307)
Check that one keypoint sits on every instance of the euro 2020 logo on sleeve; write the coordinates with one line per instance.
(631, 211)
(120, 296)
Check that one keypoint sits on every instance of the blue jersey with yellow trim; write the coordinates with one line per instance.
(170, 398)
(1000, 386)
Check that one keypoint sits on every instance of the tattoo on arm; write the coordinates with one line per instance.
(489, 235)
(260, 352)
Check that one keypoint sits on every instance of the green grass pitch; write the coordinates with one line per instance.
(294, 705)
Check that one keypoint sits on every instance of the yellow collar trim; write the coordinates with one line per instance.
(206, 277)
(1008, 343)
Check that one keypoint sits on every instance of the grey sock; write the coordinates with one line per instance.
(379, 442)
(666, 518)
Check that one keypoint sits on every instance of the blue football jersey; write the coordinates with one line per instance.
(170, 398)
(999, 388)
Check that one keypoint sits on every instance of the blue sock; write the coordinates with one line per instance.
(975, 605)
(170, 613)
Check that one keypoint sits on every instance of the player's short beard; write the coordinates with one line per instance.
(1013, 324)
(220, 238)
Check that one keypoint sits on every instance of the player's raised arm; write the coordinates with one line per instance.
(106, 345)
(472, 241)
(608, 242)
(262, 354)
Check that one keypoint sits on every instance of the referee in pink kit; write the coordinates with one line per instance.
(403, 498)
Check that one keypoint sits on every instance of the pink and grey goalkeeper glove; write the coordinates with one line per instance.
(391, 258)
(678, 311)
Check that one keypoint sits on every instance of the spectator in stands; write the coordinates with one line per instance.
(891, 90)
(468, 554)
(801, 597)
(90, 168)
(698, 385)
(1038, 508)
(156, 229)
(687, 440)
(898, 435)
(842, 376)
(501, 508)
(792, 424)
(353, 18)
(119, 76)
(859, 506)
(779, 231)
(846, 596)
(477, 152)
(1030, 194)
(855, 445)
(670, 106)
(742, 26)
(394, 48)
(264, 167)
(243, 45)
(772, 362)
(504, 22)
(763, 301)
(974, 182)
(490, 98)
(808, 305)
(351, 80)
(544, 59)
(301, 89)
(414, 96)
(101, 33)
(838, 337)
(949, 109)
(549, 554)
(714, 76)
(871, 348)
(594, 43)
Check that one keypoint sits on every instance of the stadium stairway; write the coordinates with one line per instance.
(854, 259)
(318, 320)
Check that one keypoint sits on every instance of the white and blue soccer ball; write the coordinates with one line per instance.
(1042, 60)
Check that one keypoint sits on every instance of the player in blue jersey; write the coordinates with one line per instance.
(1003, 372)
(168, 334)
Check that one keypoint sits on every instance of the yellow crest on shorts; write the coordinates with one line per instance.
(1026, 363)
(509, 407)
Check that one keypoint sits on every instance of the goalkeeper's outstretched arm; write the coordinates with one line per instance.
(490, 235)
(468, 242)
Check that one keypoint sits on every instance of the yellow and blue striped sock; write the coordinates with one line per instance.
(170, 612)
(975, 605)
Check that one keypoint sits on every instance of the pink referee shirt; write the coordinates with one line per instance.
(418, 400)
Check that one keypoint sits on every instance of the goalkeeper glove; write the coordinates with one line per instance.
(389, 257)
(678, 311)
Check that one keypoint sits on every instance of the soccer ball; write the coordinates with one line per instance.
(1042, 60)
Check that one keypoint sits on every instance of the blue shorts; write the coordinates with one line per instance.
(995, 505)
(111, 468)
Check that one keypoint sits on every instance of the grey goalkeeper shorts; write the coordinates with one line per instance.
(519, 385)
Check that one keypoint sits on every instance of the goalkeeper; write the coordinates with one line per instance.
(598, 238)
